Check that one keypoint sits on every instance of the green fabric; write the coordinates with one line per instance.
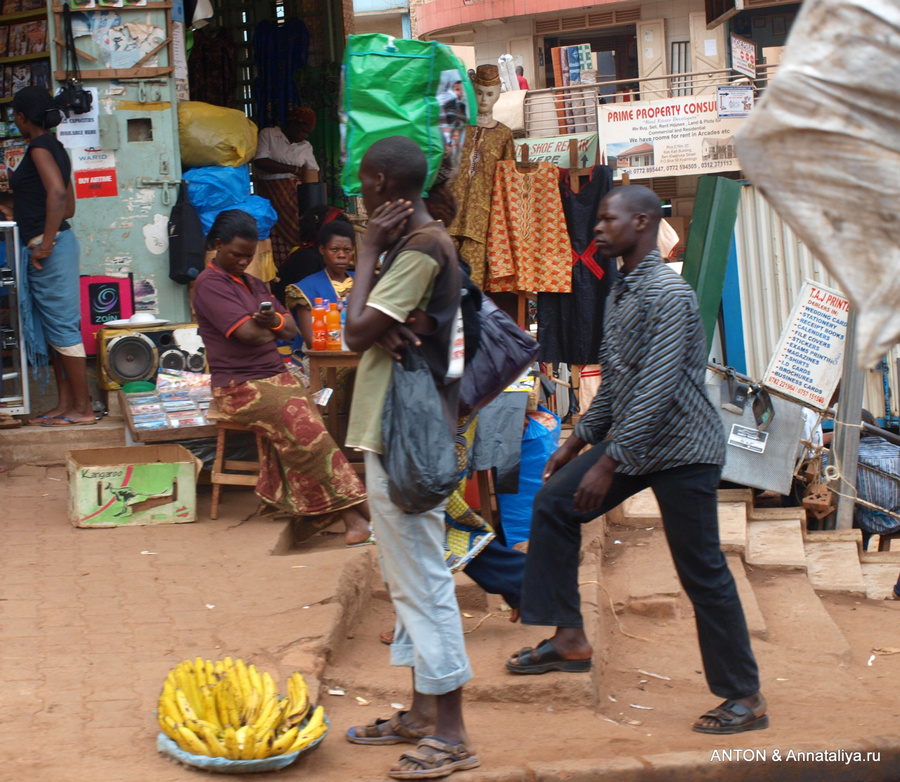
(391, 89)
(406, 285)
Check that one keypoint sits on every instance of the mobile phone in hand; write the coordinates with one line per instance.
(265, 307)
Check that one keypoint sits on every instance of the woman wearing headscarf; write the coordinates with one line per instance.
(43, 201)
(284, 159)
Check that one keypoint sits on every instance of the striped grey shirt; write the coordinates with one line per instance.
(652, 405)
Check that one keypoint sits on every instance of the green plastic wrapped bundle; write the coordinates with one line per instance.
(402, 87)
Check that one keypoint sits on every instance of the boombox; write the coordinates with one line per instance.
(135, 353)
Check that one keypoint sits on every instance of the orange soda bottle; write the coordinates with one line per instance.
(319, 327)
(333, 326)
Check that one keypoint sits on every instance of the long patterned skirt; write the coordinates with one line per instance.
(303, 471)
(286, 232)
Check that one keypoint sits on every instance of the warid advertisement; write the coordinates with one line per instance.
(670, 137)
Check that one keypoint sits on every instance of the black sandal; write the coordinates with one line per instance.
(543, 659)
(733, 717)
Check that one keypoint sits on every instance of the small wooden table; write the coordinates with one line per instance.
(330, 361)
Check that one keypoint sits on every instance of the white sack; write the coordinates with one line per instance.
(823, 146)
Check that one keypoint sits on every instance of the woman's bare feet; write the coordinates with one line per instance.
(358, 529)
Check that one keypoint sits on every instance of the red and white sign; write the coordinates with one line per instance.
(95, 173)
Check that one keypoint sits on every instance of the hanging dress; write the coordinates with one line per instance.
(570, 325)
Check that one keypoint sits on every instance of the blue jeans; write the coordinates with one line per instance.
(689, 506)
(428, 636)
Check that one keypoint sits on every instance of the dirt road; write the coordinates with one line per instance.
(91, 620)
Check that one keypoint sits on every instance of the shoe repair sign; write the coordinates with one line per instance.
(95, 173)
(807, 362)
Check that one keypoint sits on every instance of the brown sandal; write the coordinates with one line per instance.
(374, 732)
(448, 757)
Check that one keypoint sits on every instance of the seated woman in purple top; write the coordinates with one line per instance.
(303, 471)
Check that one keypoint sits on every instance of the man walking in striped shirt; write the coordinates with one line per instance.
(651, 425)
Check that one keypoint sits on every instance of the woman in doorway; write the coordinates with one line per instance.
(284, 159)
(43, 200)
(303, 472)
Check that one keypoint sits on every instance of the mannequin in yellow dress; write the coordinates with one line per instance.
(485, 144)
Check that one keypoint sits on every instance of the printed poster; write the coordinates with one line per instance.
(81, 131)
(735, 101)
(808, 360)
(672, 137)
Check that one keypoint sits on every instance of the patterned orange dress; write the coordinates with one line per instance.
(528, 245)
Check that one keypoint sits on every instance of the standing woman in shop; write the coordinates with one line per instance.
(43, 200)
(284, 159)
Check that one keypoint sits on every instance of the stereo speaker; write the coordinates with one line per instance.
(132, 354)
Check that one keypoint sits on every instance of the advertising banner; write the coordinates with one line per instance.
(673, 137)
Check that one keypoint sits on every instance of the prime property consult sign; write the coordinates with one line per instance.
(673, 137)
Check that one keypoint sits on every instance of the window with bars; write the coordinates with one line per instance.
(680, 62)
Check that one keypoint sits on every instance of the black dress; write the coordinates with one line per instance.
(570, 325)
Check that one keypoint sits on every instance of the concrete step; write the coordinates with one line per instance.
(641, 510)
(776, 544)
(756, 622)
(733, 526)
(834, 567)
(776, 514)
(27, 444)
(879, 579)
(788, 601)
(645, 574)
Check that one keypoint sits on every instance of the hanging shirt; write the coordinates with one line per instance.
(652, 408)
(528, 247)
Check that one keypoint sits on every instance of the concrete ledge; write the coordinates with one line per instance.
(733, 526)
(641, 510)
(27, 444)
(799, 763)
(775, 544)
(833, 566)
(735, 495)
(756, 622)
(777, 514)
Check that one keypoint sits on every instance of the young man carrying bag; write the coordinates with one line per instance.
(420, 279)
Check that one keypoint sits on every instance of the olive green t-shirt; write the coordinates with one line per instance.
(405, 286)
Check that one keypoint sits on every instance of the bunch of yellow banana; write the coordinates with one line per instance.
(227, 709)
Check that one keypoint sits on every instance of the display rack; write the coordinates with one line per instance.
(14, 396)
(24, 47)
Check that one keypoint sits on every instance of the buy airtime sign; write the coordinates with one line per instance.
(95, 173)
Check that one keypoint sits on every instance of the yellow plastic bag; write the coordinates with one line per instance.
(214, 136)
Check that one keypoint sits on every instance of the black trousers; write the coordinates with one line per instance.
(687, 500)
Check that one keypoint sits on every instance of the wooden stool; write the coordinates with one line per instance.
(243, 473)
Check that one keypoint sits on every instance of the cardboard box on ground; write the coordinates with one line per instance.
(131, 486)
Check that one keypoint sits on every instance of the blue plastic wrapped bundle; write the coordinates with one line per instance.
(540, 440)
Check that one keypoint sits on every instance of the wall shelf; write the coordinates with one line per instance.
(26, 57)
